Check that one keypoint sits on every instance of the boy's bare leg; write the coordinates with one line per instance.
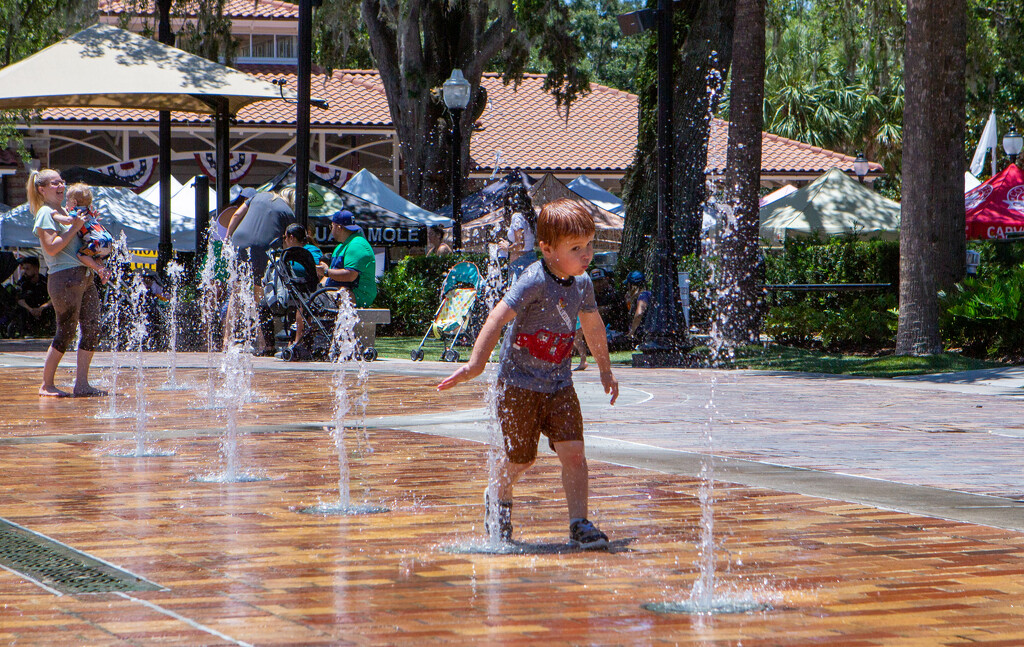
(574, 476)
(508, 474)
(53, 357)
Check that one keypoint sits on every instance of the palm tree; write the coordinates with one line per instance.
(932, 244)
(738, 293)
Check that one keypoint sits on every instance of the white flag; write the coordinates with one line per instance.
(988, 140)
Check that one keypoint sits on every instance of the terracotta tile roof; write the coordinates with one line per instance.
(524, 124)
(780, 155)
(266, 9)
(532, 132)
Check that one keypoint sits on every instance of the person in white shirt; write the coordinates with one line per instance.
(522, 236)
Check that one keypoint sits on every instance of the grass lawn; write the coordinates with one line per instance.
(777, 358)
(785, 358)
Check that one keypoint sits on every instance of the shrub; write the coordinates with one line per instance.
(411, 290)
(983, 316)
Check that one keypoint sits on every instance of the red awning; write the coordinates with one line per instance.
(995, 209)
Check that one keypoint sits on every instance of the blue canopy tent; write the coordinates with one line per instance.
(369, 187)
(587, 189)
(382, 227)
(487, 199)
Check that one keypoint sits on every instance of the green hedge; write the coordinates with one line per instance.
(411, 290)
(983, 316)
(833, 320)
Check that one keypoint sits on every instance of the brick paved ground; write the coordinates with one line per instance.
(238, 563)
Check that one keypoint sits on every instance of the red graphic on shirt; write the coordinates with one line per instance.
(549, 346)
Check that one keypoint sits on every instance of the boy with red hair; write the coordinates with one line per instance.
(536, 395)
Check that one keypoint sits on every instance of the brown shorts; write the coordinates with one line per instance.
(524, 415)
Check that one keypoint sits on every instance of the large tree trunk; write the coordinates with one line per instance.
(738, 302)
(932, 244)
(416, 45)
(702, 64)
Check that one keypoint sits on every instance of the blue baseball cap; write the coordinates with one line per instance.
(636, 277)
(346, 219)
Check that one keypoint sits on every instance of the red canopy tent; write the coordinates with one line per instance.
(995, 209)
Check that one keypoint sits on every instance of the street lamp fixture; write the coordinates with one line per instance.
(1012, 143)
(861, 166)
(456, 91)
(635, 22)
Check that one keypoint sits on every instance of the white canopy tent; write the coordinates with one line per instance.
(970, 181)
(370, 188)
(183, 202)
(781, 192)
(106, 67)
(151, 194)
(832, 204)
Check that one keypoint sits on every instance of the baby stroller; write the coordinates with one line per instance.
(458, 296)
(288, 288)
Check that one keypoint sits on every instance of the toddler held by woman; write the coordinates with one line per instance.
(97, 243)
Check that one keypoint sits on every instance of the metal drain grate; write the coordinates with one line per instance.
(61, 567)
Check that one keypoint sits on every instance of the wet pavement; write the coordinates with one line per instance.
(861, 511)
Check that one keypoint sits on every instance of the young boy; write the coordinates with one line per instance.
(535, 380)
(97, 243)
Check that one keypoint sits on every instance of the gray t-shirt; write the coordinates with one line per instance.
(266, 219)
(542, 303)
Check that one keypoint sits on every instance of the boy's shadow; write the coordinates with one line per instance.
(537, 548)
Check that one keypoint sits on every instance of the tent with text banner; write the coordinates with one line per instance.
(995, 208)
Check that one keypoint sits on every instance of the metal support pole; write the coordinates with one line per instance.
(456, 180)
(202, 212)
(661, 325)
(302, 112)
(222, 136)
(164, 247)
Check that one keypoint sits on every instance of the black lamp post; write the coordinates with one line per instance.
(664, 338)
(456, 96)
(1012, 143)
(861, 166)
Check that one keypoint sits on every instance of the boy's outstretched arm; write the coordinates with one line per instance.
(593, 331)
(486, 340)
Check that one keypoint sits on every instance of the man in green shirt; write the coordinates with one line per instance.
(353, 264)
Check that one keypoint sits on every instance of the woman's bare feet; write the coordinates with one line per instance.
(88, 392)
(52, 392)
